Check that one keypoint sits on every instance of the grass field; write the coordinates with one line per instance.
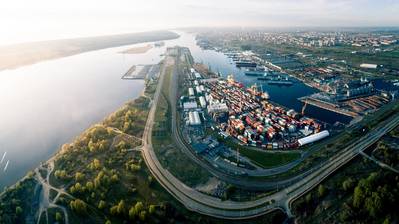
(269, 159)
(264, 159)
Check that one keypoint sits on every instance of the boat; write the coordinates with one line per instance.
(253, 90)
(264, 78)
(245, 64)
(255, 72)
(5, 168)
(4, 155)
(280, 82)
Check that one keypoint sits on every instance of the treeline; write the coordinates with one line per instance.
(372, 199)
(17, 202)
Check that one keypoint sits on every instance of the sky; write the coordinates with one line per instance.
(33, 20)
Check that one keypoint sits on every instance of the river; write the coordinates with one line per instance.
(47, 104)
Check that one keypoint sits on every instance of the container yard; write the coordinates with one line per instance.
(246, 115)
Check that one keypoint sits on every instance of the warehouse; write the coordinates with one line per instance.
(202, 101)
(218, 108)
(313, 138)
(190, 91)
(193, 118)
(190, 105)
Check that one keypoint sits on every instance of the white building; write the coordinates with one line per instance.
(190, 105)
(218, 108)
(370, 66)
(313, 138)
(193, 118)
(197, 88)
(190, 91)
(202, 101)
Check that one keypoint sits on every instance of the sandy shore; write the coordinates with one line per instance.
(137, 50)
(18, 55)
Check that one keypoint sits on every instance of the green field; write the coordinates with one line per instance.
(269, 159)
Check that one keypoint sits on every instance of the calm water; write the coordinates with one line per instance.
(47, 104)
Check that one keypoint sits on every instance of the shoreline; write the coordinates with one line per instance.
(55, 49)
(54, 155)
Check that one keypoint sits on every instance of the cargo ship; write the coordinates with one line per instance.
(283, 81)
(256, 72)
(245, 64)
(255, 92)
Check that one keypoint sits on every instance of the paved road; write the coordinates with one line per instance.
(379, 163)
(208, 205)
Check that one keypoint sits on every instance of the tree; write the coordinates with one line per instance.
(115, 178)
(322, 190)
(78, 187)
(101, 205)
(348, 184)
(79, 176)
(358, 197)
(143, 215)
(113, 210)
(121, 207)
(151, 209)
(58, 217)
(139, 207)
(89, 186)
(18, 210)
(78, 206)
(132, 213)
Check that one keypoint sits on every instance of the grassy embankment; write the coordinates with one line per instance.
(168, 153)
(265, 159)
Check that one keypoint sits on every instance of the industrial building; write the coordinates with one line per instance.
(313, 138)
(190, 105)
(191, 91)
(193, 118)
(202, 101)
(358, 88)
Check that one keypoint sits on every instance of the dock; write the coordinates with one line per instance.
(327, 106)
(137, 72)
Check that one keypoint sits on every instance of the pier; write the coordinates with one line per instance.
(327, 106)
(137, 72)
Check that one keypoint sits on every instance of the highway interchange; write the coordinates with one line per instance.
(215, 207)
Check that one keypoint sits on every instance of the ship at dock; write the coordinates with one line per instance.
(245, 64)
(276, 80)
(258, 71)
(254, 90)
